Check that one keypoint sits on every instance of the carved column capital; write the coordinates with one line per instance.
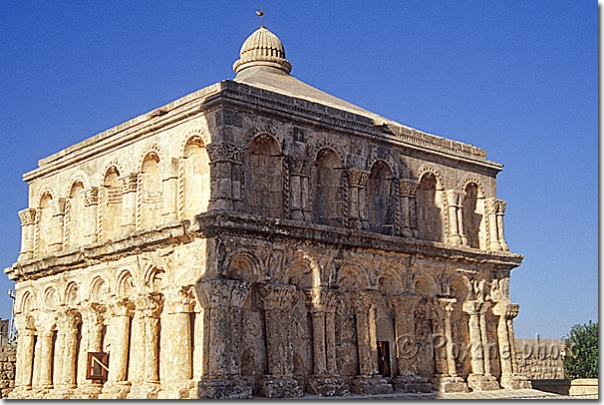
(322, 299)
(408, 187)
(298, 166)
(68, 319)
(45, 320)
(403, 304)
(277, 296)
(120, 306)
(494, 206)
(357, 177)
(224, 152)
(148, 305)
(28, 216)
(91, 196)
(57, 206)
(93, 312)
(364, 301)
(179, 299)
(444, 304)
(222, 293)
(472, 307)
(506, 310)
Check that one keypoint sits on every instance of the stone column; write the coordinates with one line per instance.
(453, 199)
(170, 190)
(144, 367)
(408, 188)
(117, 385)
(485, 339)
(279, 382)
(505, 333)
(405, 345)
(325, 381)
(357, 210)
(222, 300)
(176, 361)
(25, 355)
(57, 208)
(65, 377)
(91, 205)
(28, 224)
(448, 381)
(494, 210)
(298, 168)
(224, 160)
(130, 185)
(479, 379)
(368, 381)
(45, 358)
(92, 336)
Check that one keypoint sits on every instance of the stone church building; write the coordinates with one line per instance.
(262, 237)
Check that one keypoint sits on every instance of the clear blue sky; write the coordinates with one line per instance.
(517, 78)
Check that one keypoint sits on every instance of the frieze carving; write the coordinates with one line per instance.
(224, 152)
(275, 296)
(298, 166)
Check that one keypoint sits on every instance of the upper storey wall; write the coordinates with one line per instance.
(238, 148)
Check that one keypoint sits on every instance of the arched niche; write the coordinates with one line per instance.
(472, 214)
(329, 198)
(44, 227)
(195, 178)
(429, 215)
(264, 178)
(98, 290)
(75, 226)
(150, 191)
(390, 282)
(381, 201)
(112, 203)
(72, 294)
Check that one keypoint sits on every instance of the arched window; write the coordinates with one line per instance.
(112, 203)
(429, 221)
(150, 191)
(75, 227)
(380, 199)
(44, 224)
(264, 178)
(329, 194)
(196, 178)
(471, 218)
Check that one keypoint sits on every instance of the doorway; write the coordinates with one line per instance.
(384, 358)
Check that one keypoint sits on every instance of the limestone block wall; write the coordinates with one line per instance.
(540, 359)
(8, 357)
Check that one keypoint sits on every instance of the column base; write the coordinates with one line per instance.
(115, 390)
(411, 384)
(144, 390)
(88, 391)
(279, 387)
(515, 382)
(481, 382)
(178, 390)
(327, 386)
(371, 385)
(446, 383)
(223, 389)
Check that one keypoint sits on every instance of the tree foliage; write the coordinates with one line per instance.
(581, 352)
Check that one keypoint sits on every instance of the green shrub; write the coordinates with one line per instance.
(581, 352)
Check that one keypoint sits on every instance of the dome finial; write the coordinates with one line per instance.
(262, 48)
(261, 15)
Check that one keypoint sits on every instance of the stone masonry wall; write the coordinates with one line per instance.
(539, 359)
(8, 357)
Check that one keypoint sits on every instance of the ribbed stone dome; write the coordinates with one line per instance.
(262, 48)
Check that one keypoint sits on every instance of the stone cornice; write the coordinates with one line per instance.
(246, 96)
(173, 233)
(221, 223)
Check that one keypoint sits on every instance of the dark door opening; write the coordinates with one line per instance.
(384, 358)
